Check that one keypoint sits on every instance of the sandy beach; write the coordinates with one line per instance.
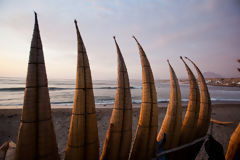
(10, 119)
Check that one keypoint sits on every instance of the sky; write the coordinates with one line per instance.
(206, 31)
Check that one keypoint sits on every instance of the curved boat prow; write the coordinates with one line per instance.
(205, 105)
(119, 135)
(233, 151)
(204, 112)
(189, 125)
(172, 122)
(144, 141)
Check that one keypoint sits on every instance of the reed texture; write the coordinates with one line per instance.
(205, 105)
(189, 125)
(145, 136)
(233, 151)
(119, 135)
(172, 122)
(204, 113)
(83, 140)
(36, 136)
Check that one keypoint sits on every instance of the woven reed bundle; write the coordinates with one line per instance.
(36, 136)
(233, 151)
(172, 122)
(145, 136)
(119, 135)
(205, 105)
(204, 113)
(189, 125)
(83, 140)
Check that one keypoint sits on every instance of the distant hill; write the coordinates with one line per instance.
(212, 75)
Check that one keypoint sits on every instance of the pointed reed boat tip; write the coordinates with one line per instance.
(190, 60)
(36, 19)
(76, 25)
(168, 62)
(135, 39)
(182, 60)
(75, 21)
(115, 39)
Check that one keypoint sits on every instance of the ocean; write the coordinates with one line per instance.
(62, 92)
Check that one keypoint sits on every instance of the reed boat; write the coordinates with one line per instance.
(118, 139)
(145, 135)
(189, 125)
(172, 123)
(83, 140)
(204, 112)
(233, 151)
(36, 136)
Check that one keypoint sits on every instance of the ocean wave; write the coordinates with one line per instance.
(18, 89)
(110, 101)
(114, 87)
(65, 103)
(223, 99)
(58, 88)
(11, 89)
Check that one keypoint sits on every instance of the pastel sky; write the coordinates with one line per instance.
(207, 31)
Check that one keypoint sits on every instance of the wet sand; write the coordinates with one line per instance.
(10, 119)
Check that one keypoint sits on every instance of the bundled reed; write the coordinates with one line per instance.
(119, 135)
(233, 151)
(144, 140)
(189, 125)
(205, 105)
(172, 122)
(36, 136)
(204, 113)
(83, 140)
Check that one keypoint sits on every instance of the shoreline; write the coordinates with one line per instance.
(10, 120)
(102, 106)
